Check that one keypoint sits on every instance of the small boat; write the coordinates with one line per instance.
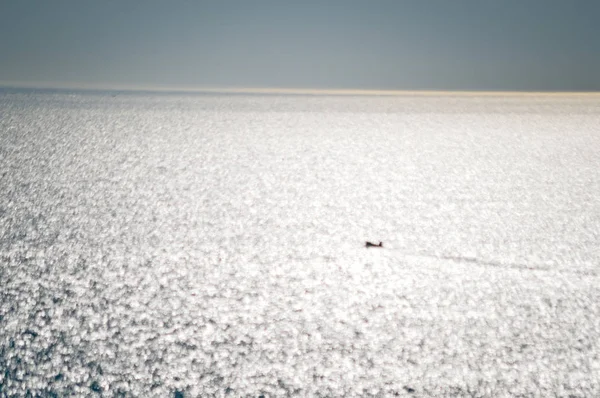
(369, 244)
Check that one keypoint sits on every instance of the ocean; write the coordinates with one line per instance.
(169, 244)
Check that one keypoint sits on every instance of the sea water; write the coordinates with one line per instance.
(210, 245)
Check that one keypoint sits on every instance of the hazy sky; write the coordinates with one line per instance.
(376, 44)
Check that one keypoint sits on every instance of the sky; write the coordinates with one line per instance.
(505, 45)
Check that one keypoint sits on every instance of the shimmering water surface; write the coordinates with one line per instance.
(211, 245)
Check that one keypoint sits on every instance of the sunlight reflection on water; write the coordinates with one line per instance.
(215, 244)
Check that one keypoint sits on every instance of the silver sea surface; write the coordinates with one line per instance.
(213, 245)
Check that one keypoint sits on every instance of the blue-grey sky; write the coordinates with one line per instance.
(533, 45)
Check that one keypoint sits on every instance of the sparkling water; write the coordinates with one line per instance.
(214, 245)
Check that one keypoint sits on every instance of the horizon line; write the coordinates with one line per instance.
(279, 90)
